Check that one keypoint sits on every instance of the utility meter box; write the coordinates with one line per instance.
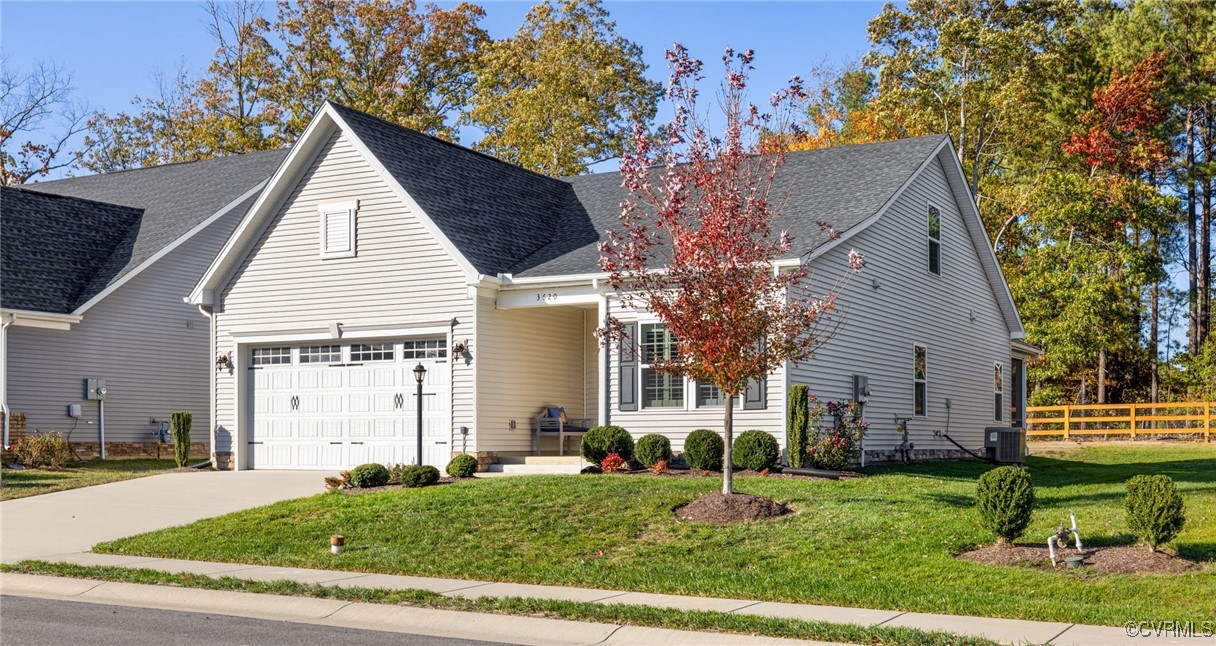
(74, 411)
(861, 388)
(95, 389)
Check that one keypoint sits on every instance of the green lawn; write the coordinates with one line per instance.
(886, 541)
(19, 483)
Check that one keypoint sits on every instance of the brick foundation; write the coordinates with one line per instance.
(86, 450)
(888, 456)
(16, 431)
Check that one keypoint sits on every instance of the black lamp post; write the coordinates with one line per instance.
(419, 376)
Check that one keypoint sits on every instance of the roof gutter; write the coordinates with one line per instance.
(40, 319)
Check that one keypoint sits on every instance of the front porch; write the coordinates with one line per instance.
(539, 375)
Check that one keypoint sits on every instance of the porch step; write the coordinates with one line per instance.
(542, 459)
(537, 464)
(534, 469)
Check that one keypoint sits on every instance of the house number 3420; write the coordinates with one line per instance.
(548, 297)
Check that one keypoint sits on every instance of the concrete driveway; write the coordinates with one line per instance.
(73, 521)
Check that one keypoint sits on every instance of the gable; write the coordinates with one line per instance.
(284, 274)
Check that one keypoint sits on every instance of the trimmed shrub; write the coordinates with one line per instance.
(652, 449)
(756, 450)
(180, 423)
(1155, 512)
(462, 466)
(43, 450)
(1004, 498)
(612, 463)
(415, 475)
(797, 424)
(602, 440)
(369, 475)
(703, 449)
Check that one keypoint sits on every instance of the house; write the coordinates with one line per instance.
(375, 250)
(92, 274)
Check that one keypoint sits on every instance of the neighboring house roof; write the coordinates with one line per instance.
(49, 259)
(171, 201)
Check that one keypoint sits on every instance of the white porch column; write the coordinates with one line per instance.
(603, 349)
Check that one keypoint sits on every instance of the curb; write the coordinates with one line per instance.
(528, 631)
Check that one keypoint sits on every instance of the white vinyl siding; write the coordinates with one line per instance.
(880, 326)
(401, 279)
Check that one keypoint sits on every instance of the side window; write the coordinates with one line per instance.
(935, 241)
(659, 390)
(998, 391)
(709, 395)
(920, 380)
(337, 223)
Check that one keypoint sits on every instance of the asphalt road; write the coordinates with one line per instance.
(26, 621)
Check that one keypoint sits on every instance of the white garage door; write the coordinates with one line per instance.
(336, 406)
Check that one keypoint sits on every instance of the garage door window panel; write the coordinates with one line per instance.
(321, 354)
(271, 356)
(426, 349)
(363, 352)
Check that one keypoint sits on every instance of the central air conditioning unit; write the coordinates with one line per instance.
(1005, 444)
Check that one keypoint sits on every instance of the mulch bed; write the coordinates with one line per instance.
(739, 473)
(1104, 560)
(719, 508)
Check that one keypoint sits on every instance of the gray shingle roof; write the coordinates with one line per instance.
(172, 200)
(842, 186)
(495, 213)
(48, 259)
(505, 219)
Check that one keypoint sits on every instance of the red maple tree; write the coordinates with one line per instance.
(1121, 129)
(698, 247)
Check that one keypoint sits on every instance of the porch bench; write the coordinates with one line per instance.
(552, 420)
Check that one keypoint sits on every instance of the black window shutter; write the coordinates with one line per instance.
(628, 368)
(756, 395)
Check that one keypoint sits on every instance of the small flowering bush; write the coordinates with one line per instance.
(43, 450)
(835, 446)
(612, 463)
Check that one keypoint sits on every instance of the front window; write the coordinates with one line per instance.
(920, 380)
(935, 241)
(659, 390)
(998, 391)
(710, 395)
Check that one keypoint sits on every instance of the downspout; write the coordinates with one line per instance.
(4, 372)
(205, 310)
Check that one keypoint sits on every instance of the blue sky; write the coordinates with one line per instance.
(114, 48)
